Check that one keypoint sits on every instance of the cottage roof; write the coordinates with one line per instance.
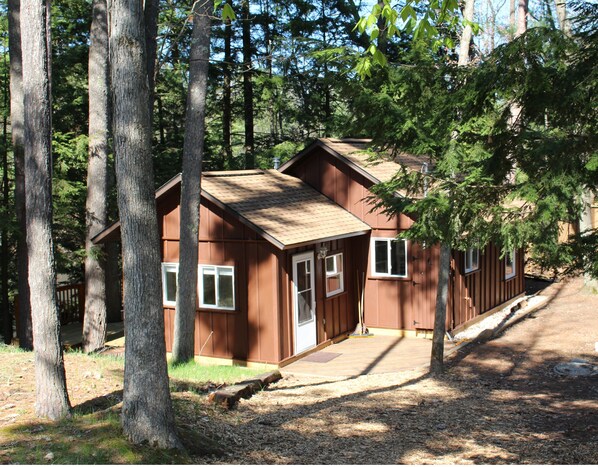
(285, 210)
(282, 209)
(356, 152)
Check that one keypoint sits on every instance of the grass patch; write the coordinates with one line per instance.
(81, 439)
(10, 349)
(221, 374)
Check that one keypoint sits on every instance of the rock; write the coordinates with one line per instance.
(49, 456)
(485, 335)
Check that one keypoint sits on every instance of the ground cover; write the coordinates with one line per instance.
(499, 402)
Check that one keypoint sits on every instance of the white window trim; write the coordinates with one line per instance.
(373, 257)
(168, 267)
(513, 255)
(200, 286)
(468, 254)
(341, 274)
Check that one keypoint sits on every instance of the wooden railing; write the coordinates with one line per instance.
(71, 303)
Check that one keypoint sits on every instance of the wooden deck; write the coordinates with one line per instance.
(72, 333)
(367, 355)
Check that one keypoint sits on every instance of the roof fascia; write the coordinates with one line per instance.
(328, 239)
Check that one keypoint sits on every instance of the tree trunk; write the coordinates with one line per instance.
(94, 323)
(150, 14)
(561, 12)
(50, 382)
(6, 315)
(521, 18)
(24, 331)
(226, 96)
(444, 268)
(465, 42)
(113, 283)
(512, 25)
(184, 323)
(147, 413)
(248, 87)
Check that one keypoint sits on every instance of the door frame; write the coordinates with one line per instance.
(307, 255)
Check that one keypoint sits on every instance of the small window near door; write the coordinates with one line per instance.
(472, 259)
(389, 257)
(170, 272)
(510, 269)
(334, 275)
(216, 287)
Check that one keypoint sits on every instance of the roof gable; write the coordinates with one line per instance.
(282, 209)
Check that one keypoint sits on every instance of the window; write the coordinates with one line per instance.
(390, 257)
(334, 274)
(472, 259)
(170, 272)
(510, 269)
(216, 287)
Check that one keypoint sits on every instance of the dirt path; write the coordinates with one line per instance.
(500, 402)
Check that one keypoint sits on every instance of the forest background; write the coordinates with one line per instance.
(281, 74)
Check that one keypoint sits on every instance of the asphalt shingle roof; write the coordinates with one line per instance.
(288, 211)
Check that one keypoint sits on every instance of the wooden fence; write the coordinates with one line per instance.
(71, 303)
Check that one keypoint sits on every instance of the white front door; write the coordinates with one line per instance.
(304, 301)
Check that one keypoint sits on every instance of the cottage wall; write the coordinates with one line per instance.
(251, 331)
(406, 303)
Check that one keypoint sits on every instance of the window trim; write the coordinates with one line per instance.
(388, 256)
(200, 275)
(168, 267)
(513, 256)
(468, 254)
(340, 274)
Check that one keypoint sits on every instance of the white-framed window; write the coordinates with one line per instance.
(472, 259)
(217, 287)
(389, 257)
(334, 274)
(510, 265)
(170, 274)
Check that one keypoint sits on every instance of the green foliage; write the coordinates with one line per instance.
(494, 180)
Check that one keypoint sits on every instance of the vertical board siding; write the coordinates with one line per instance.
(479, 291)
(407, 303)
(250, 332)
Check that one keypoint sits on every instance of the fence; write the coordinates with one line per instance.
(71, 303)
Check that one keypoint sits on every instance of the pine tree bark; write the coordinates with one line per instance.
(113, 283)
(150, 14)
(147, 413)
(522, 10)
(24, 331)
(444, 269)
(512, 25)
(6, 315)
(94, 322)
(50, 381)
(184, 323)
(226, 96)
(248, 86)
(561, 13)
(465, 42)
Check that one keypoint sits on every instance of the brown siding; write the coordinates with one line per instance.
(406, 303)
(251, 331)
(335, 315)
(479, 291)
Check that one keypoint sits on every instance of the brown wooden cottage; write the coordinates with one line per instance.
(283, 253)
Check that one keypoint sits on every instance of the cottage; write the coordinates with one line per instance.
(284, 253)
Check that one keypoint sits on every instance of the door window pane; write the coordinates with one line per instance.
(305, 311)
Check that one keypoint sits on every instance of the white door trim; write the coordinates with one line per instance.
(305, 333)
